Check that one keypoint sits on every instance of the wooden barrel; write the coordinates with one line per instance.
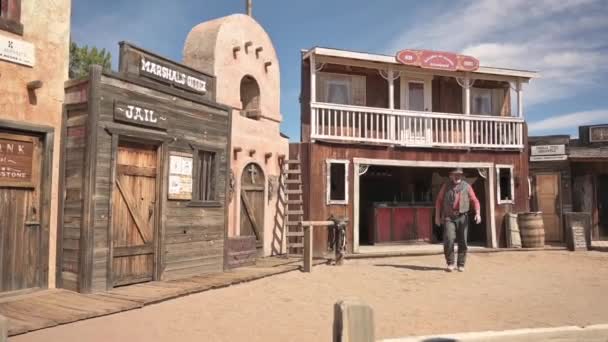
(532, 229)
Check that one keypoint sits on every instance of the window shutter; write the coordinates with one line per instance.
(322, 87)
(359, 90)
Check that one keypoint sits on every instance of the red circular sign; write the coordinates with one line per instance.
(408, 57)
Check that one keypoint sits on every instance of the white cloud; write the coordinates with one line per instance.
(564, 40)
(568, 121)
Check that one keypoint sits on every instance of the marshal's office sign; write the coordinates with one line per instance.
(163, 72)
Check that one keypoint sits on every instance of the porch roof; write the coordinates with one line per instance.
(524, 75)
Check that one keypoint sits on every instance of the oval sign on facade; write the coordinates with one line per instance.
(439, 60)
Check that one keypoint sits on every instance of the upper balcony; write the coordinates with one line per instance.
(362, 98)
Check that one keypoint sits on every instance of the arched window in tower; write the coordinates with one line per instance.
(250, 98)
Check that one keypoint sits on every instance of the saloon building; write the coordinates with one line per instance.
(379, 134)
(34, 48)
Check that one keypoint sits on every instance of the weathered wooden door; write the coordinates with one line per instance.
(20, 231)
(549, 203)
(134, 214)
(252, 203)
(602, 206)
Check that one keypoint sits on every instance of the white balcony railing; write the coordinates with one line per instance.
(410, 128)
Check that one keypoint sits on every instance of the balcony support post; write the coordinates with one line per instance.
(391, 101)
(520, 96)
(313, 96)
(466, 84)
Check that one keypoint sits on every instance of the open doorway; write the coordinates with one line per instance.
(602, 206)
(396, 205)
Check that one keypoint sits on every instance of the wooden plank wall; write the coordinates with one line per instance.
(315, 176)
(73, 155)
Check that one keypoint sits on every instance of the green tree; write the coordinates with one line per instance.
(81, 58)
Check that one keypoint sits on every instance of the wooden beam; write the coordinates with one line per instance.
(33, 85)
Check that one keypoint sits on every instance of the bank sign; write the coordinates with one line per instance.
(164, 72)
(16, 160)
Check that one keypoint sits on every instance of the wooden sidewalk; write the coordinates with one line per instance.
(49, 308)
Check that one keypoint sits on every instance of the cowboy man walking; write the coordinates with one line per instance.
(451, 210)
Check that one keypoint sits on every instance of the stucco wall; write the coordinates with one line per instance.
(210, 47)
(46, 24)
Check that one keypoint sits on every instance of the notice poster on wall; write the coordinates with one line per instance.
(180, 176)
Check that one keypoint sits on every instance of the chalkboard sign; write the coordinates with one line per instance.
(579, 243)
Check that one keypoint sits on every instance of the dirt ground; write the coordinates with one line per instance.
(410, 296)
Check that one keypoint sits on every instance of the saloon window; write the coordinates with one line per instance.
(337, 181)
(10, 16)
(481, 101)
(341, 89)
(505, 186)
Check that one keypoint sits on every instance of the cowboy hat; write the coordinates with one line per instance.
(457, 170)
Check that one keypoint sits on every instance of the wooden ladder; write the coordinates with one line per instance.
(294, 207)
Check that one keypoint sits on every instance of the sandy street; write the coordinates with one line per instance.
(410, 296)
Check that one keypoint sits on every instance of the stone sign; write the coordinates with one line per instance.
(17, 51)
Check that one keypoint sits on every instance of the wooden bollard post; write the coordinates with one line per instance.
(307, 248)
(3, 329)
(353, 322)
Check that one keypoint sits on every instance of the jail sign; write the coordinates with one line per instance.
(138, 114)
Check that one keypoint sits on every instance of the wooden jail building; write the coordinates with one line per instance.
(379, 135)
(143, 174)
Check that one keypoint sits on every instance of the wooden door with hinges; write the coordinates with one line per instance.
(252, 203)
(134, 214)
(20, 231)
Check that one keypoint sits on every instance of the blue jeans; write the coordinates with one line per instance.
(455, 230)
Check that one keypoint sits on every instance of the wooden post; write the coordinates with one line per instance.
(3, 329)
(353, 322)
(467, 108)
(307, 248)
(520, 97)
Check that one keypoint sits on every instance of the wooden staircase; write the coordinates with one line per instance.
(294, 207)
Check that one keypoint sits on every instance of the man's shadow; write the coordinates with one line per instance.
(413, 267)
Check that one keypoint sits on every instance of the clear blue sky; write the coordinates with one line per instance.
(566, 41)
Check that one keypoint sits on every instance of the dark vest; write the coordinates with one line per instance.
(450, 196)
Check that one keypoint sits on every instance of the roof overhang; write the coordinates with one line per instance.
(525, 75)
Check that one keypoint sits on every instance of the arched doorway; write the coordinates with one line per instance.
(252, 203)
(250, 97)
